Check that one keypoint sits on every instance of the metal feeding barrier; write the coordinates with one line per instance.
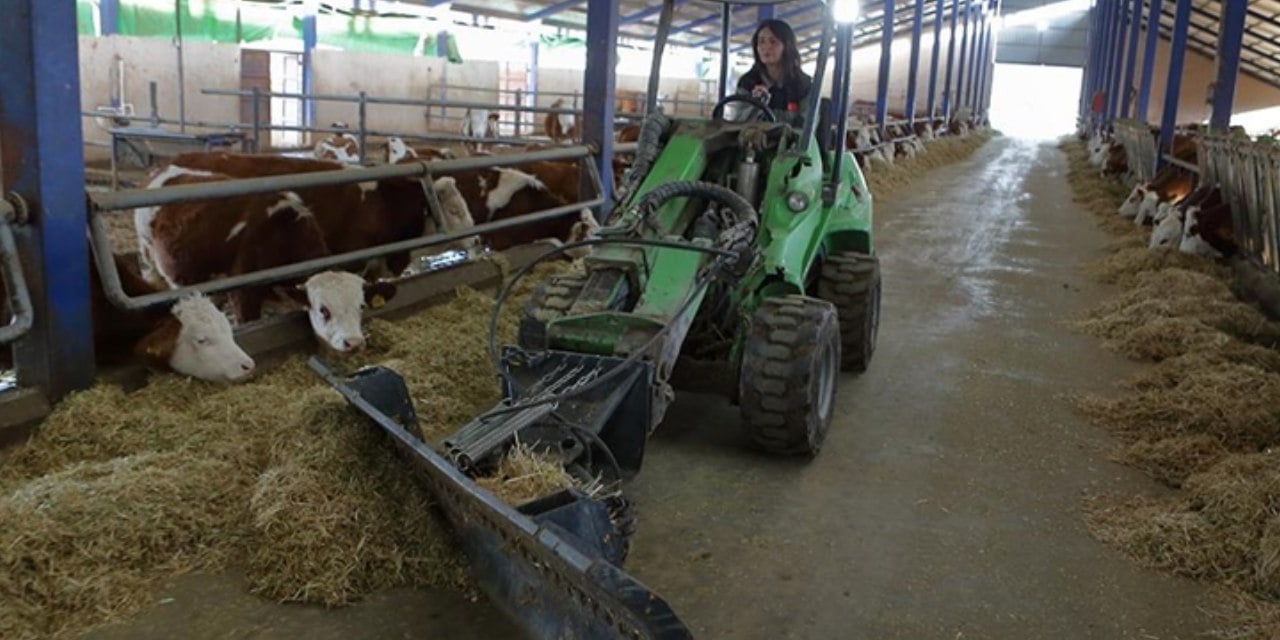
(1248, 174)
(133, 198)
(1139, 147)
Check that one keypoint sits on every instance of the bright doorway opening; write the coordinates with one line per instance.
(1036, 102)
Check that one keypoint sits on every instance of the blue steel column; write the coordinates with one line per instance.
(1230, 39)
(933, 64)
(42, 143)
(598, 89)
(1094, 37)
(109, 16)
(1104, 61)
(975, 51)
(726, 24)
(882, 83)
(1148, 62)
(1177, 54)
(980, 60)
(964, 52)
(1131, 58)
(951, 63)
(308, 70)
(917, 25)
(1117, 63)
(764, 12)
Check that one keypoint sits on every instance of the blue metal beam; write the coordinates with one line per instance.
(964, 50)
(951, 63)
(1091, 42)
(1148, 61)
(979, 58)
(882, 81)
(764, 12)
(980, 19)
(1104, 55)
(1117, 62)
(693, 24)
(109, 17)
(934, 54)
(598, 92)
(1131, 59)
(989, 67)
(308, 66)
(913, 69)
(645, 13)
(39, 112)
(547, 12)
(752, 27)
(1231, 28)
(1108, 55)
(1177, 55)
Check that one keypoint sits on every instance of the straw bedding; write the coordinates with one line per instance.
(1204, 419)
(884, 178)
(120, 490)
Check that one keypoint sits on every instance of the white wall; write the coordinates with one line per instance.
(206, 65)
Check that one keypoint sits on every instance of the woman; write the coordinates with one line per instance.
(776, 78)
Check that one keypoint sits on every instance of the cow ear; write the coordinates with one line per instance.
(378, 293)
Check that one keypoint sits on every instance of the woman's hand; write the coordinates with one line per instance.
(760, 92)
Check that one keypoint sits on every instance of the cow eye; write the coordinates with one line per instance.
(203, 341)
(324, 313)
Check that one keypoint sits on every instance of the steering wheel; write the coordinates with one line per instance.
(718, 112)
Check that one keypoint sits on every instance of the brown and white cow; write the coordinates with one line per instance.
(1171, 218)
(1170, 184)
(353, 217)
(479, 124)
(397, 150)
(1208, 232)
(560, 126)
(191, 337)
(339, 147)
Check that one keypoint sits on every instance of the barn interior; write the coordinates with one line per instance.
(588, 319)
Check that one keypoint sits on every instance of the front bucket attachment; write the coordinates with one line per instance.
(547, 564)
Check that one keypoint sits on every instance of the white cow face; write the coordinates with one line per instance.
(335, 306)
(1167, 233)
(1129, 208)
(1192, 242)
(397, 150)
(1147, 209)
(1165, 210)
(456, 214)
(205, 347)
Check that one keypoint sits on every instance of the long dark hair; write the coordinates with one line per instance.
(790, 50)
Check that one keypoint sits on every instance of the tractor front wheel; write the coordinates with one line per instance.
(790, 366)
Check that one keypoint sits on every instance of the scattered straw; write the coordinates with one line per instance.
(884, 179)
(1225, 528)
(1238, 404)
(524, 475)
(1172, 460)
(1123, 267)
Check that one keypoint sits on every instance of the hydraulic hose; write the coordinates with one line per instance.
(742, 210)
(652, 128)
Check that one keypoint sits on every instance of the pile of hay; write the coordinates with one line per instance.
(523, 475)
(884, 178)
(121, 490)
(1171, 312)
(1122, 267)
(1225, 529)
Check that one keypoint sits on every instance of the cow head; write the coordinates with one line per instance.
(1129, 208)
(1167, 232)
(196, 340)
(342, 148)
(397, 150)
(1147, 208)
(454, 212)
(335, 306)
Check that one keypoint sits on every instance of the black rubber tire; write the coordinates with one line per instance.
(790, 369)
(550, 300)
(851, 282)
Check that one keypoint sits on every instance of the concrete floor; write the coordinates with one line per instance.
(945, 504)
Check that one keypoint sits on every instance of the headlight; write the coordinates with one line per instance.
(845, 11)
(797, 201)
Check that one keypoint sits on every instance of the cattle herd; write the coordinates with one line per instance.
(1192, 217)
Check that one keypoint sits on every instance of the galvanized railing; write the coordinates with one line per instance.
(1248, 173)
(15, 285)
(1139, 147)
(103, 203)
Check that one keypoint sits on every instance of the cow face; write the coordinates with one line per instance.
(1129, 208)
(1192, 242)
(1167, 232)
(456, 214)
(335, 305)
(1147, 208)
(204, 347)
(397, 150)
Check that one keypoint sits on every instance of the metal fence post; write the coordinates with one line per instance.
(362, 118)
(257, 120)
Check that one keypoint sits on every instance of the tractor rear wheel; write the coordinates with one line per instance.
(550, 300)
(790, 366)
(851, 282)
